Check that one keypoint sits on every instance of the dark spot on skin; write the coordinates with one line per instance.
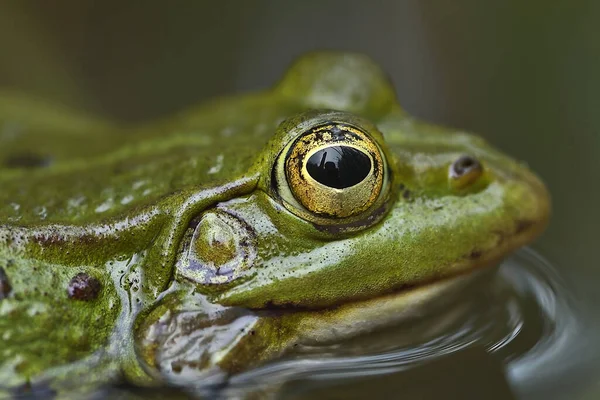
(83, 287)
(438, 208)
(406, 194)
(27, 160)
(401, 187)
(523, 225)
(57, 239)
(475, 254)
(5, 287)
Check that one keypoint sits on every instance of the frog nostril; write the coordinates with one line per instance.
(5, 287)
(463, 165)
(221, 247)
(464, 171)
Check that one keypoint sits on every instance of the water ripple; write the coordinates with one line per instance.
(522, 313)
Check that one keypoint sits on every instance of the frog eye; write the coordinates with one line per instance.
(331, 172)
(464, 171)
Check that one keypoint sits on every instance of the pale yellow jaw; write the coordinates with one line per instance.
(276, 334)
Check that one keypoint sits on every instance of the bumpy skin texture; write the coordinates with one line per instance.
(85, 196)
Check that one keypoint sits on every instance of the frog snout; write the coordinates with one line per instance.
(220, 249)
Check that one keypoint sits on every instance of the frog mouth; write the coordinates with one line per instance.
(265, 333)
(525, 231)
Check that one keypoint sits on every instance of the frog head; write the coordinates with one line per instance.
(319, 192)
(354, 199)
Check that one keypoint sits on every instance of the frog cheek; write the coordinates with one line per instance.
(218, 249)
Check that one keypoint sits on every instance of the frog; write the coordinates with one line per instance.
(221, 238)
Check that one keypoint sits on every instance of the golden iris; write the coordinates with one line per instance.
(335, 170)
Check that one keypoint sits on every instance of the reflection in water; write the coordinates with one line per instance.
(560, 353)
(521, 314)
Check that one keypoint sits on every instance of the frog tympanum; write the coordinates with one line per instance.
(220, 238)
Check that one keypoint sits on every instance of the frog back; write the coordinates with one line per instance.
(59, 166)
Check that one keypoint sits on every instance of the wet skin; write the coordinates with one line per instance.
(224, 236)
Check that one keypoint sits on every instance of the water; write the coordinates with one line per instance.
(520, 318)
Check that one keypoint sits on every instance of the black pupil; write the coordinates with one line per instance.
(339, 166)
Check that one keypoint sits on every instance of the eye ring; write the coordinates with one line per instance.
(333, 172)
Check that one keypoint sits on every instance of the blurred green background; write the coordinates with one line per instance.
(523, 74)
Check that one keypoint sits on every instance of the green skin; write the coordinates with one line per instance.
(116, 203)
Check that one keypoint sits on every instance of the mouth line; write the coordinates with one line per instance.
(525, 232)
